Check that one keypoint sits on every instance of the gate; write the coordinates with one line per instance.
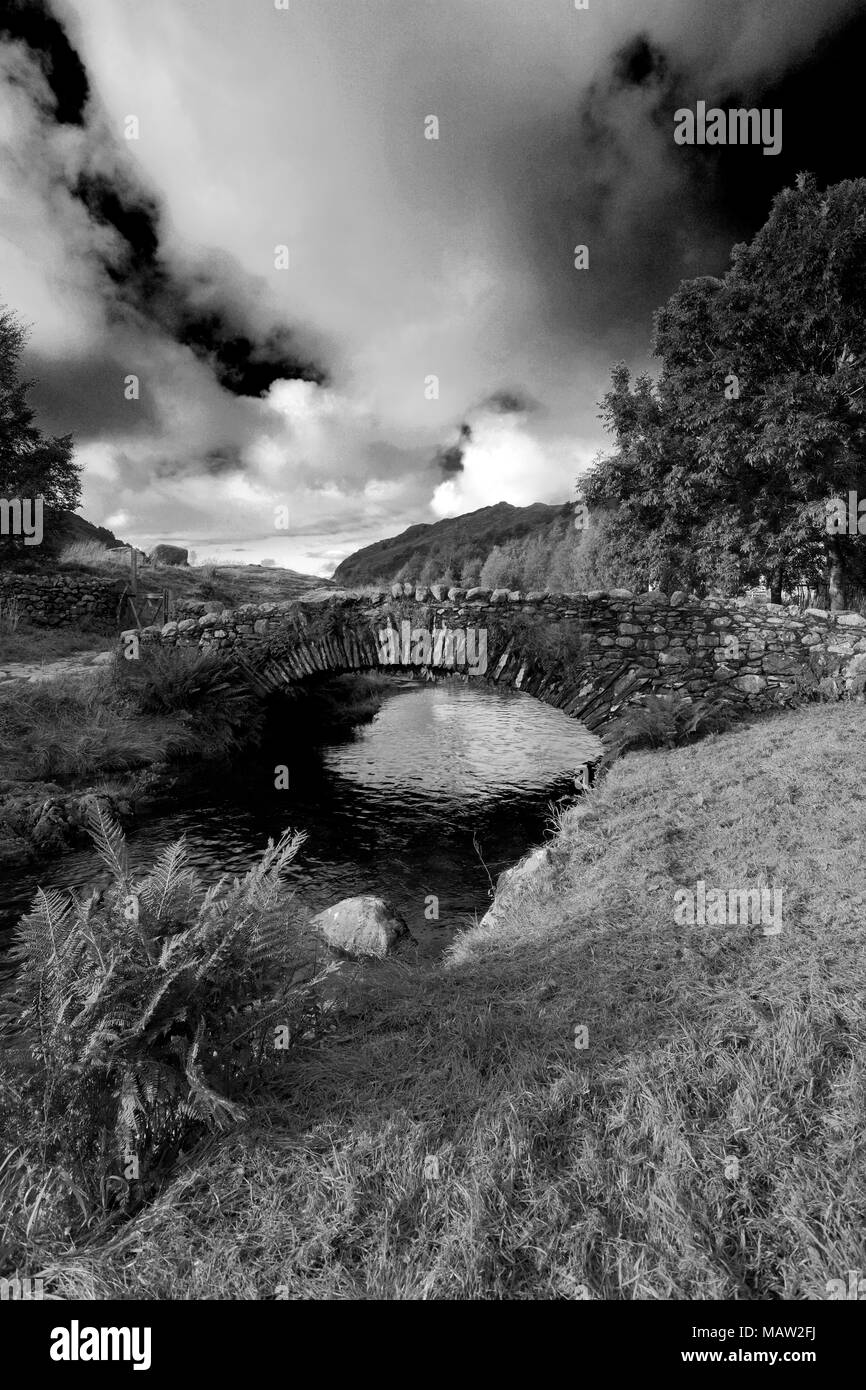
(137, 608)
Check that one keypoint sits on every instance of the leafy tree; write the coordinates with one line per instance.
(724, 466)
(32, 464)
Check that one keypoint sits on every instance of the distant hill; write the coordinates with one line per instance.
(73, 527)
(456, 547)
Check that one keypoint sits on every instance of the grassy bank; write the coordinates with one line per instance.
(28, 642)
(70, 736)
(73, 735)
(607, 1169)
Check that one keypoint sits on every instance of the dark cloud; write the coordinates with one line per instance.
(216, 315)
(510, 402)
(449, 459)
(638, 62)
(224, 459)
(67, 393)
(603, 171)
(133, 260)
(30, 22)
(821, 102)
(242, 365)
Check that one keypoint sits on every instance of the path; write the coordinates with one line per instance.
(34, 672)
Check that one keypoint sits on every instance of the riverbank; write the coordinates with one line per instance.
(122, 731)
(452, 1137)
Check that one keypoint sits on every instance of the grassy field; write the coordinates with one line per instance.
(449, 1140)
(30, 643)
(222, 583)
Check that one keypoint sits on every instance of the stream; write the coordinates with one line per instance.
(449, 784)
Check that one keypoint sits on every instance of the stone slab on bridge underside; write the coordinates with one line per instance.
(584, 653)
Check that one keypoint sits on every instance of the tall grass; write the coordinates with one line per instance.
(10, 616)
(93, 553)
(169, 704)
(71, 728)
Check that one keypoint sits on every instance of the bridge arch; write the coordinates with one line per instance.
(587, 654)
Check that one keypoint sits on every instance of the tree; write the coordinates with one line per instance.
(725, 466)
(32, 465)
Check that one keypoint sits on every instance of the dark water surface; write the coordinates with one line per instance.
(397, 809)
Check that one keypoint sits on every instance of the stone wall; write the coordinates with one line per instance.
(584, 653)
(63, 600)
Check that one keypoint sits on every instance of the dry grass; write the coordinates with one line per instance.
(607, 1168)
(94, 553)
(70, 728)
(10, 617)
(228, 585)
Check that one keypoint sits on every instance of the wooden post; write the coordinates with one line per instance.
(133, 569)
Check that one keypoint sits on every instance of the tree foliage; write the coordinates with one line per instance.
(32, 464)
(724, 465)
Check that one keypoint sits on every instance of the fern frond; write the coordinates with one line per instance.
(110, 841)
(170, 873)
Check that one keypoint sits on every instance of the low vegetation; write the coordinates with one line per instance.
(453, 1138)
(223, 584)
(665, 721)
(29, 643)
(94, 553)
(134, 1018)
(170, 704)
(70, 728)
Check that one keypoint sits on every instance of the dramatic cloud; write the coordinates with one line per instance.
(408, 259)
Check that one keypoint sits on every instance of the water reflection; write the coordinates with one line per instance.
(446, 776)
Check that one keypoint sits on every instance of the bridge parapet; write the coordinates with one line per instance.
(587, 653)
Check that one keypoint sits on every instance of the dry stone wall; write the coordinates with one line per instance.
(585, 653)
(63, 600)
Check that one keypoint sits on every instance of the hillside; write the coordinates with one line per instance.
(75, 528)
(456, 547)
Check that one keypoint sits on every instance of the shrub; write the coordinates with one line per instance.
(665, 721)
(135, 1014)
(556, 652)
(200, 689)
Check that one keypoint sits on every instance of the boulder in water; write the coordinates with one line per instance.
(362, 926)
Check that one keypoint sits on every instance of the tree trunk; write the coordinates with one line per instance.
(776, 581)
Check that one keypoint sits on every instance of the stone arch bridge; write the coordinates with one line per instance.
(587, 654)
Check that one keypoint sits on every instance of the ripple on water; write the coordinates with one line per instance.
(446, 776)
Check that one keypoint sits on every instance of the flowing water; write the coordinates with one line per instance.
(447, 786)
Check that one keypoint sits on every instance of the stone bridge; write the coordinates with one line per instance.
(587, 654)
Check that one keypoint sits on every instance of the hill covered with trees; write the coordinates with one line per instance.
(457, 549)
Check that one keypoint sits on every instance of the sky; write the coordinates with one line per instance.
(424, 345)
